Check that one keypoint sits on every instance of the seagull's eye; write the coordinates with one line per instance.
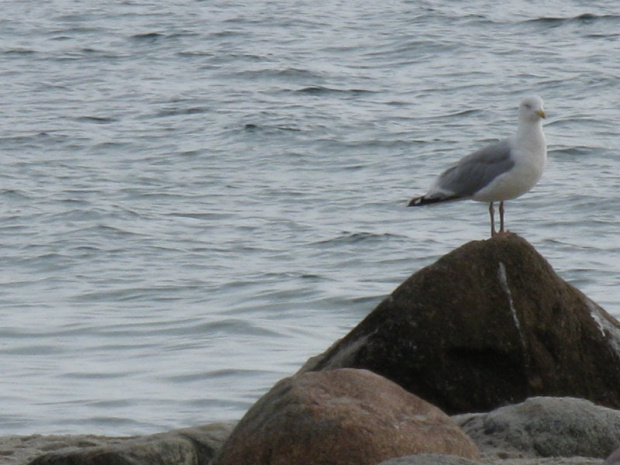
(527, 105)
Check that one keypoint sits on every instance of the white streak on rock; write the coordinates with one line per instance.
(596, 316)
(609, 331)
(503, 280)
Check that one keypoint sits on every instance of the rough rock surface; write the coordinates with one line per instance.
(545, 427)
(340, 417)
(613, 459)
(487, 325)
(189, 446)
(428, 459)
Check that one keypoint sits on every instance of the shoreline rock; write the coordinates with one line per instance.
(539, 431)
(340, 417)
(489, 328)
(489, 324)
(185, 446)
(545, 427)
(427, 459)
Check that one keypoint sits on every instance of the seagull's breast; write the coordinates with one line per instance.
(530, 157)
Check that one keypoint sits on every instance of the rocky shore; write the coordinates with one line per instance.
(486, 356)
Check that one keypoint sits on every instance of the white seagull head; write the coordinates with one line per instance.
(531, 109)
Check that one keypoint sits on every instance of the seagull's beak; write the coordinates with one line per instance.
(541, 113)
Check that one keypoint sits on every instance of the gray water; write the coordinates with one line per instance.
(197, 196)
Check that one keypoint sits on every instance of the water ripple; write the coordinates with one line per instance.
(197, 198)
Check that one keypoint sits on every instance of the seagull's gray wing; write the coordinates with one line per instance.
(475, 171)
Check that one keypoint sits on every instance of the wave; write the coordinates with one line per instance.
(356, 238)
(585, 18)
(19, 51)
(148, 36)
(322, 90)
(180, 111)
(253, 127)
(96, 119)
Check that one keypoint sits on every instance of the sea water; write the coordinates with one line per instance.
(197, 196)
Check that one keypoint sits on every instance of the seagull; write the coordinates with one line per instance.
(497, 172)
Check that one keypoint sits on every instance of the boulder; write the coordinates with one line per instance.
(428, 459)
(487, 325)
(189, 446)
(613, 459)
(549, 461)
(340, 417)
(545, 427)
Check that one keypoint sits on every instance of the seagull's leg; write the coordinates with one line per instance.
(501, 216)
(492, 214)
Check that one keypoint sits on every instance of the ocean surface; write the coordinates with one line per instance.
(198, 196)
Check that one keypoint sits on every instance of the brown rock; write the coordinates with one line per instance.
(487, 325)
(340, 417)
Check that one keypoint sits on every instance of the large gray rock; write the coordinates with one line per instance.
(487, 325)
(545, 427)
(613, 459)
(189, 446)
(549, 461)
(429, 459)
(340, 417)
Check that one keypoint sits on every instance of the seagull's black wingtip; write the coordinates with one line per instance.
(416, 202)
(420, 201)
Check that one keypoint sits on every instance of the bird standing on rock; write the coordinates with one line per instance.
(498, 172)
